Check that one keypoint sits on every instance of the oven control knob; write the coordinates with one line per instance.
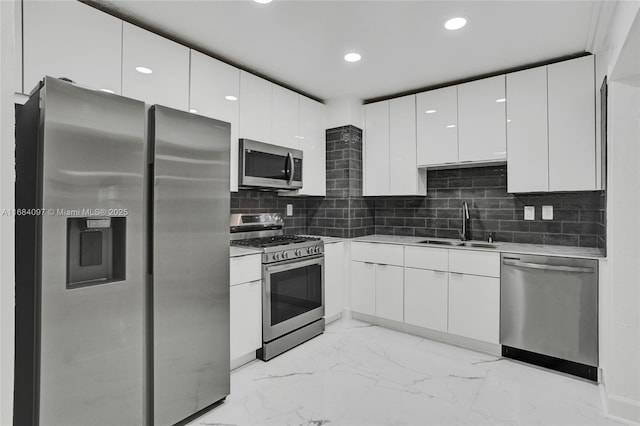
(298, 252)
(310, 250)
(276, 256)
(285, 255)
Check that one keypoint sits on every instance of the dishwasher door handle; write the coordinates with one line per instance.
(547, 267)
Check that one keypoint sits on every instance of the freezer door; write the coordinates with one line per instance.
(92, 157)
(190, 291)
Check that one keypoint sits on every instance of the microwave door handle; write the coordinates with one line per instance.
(292, 168)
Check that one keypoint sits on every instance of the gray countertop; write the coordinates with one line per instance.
(546, 250)
(235, 251)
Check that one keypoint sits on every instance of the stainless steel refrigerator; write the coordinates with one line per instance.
(121, 274)
(189, 295)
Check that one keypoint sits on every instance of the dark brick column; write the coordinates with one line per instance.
(343, 212)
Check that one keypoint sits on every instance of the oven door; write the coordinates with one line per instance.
(292, 295)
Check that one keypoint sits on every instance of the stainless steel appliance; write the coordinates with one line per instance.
(80, 161)
(549, 312)
(292, 281)
(266, 166)
(188, 296)
(122, 294)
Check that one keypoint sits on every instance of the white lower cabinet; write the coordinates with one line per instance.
(425, 298)
(245, 305)
(389, 292)
(245, 318)
(474, 307)
(333, 279)
(363, 288)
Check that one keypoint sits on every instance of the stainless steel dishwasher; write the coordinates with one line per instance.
(549, 312)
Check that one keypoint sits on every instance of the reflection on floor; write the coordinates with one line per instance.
(358, 374)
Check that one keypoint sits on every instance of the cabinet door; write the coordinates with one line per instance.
(425, 298)
(390, 292)
(376, 149)
(312, 125)
(481, 120)
(404, 178)
(284, 118)
(363, 288)
(437, 126)
(255, 108)
(18, 35)
(474, 307)
(527, 137)
(333, 279)
(73, 40)
(572, 146)
(245, 310)
(212, 82)
(168, 82)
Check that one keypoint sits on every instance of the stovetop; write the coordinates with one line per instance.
(274, 241)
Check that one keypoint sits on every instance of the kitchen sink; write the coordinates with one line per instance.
(472, 244)
(479, 245)
(442, 243)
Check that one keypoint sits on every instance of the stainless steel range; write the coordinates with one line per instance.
(292, 281)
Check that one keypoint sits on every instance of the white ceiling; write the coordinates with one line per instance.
(301, 43)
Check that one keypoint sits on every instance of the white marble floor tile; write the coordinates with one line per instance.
(358, 374)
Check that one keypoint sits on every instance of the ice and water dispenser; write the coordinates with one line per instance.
(96, 250)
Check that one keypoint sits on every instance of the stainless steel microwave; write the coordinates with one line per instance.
(266, 166)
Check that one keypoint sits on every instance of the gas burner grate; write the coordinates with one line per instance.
(278, 240)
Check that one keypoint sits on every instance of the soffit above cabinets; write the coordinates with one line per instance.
(403, 44)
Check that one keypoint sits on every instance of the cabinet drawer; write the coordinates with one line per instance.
(435, 259)
(475, 262)
(386, 254)
(245, 268)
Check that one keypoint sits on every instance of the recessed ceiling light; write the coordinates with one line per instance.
(430, 111)
(455, 23)
(107, 90)
(508, 121)
(144, 70)
(352, 57)
(231, 98)
(500, 100)
(193, 110)
(262, 1)
(451, 126)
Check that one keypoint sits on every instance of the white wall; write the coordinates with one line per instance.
(7, 179)
(621, 307)
(345, 111)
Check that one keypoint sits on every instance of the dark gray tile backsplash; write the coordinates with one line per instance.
(578, 217)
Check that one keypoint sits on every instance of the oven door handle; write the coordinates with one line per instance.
(294, 264)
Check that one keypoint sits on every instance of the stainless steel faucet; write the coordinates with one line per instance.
(465, 222)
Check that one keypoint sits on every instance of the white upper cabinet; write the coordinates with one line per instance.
(527, 141)
(284, 118)
(404, 177)
(168, 82)
(214, 85)
(312, 127)
(482, 120)
(572, 147)
(376, 149)
(255, 108)
(437, 131)
(551, 128)
(70, 39)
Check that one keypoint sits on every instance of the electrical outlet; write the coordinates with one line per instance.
(547, 212)
(529, 213)
(289, 209)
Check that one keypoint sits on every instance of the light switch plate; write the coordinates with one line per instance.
(529, 213)
(547, 212)
(289, 209)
